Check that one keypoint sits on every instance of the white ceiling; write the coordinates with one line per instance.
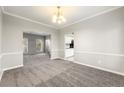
(43, 14)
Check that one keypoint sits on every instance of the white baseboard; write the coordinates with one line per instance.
(9, 67)
(65, 59)
(2, 71)
(1, 74)
(14, 67)
(61, 58)
(100, 68)
(54, 58)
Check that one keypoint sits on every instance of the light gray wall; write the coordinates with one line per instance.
(0, 29)
(99, 41)
(0, 40)
(32, 43)
(12, 46)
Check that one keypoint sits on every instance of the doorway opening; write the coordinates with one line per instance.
(69, 46)
(36, 48)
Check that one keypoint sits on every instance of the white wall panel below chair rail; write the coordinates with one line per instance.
(1, 72)
(112, 62)
(11, 60)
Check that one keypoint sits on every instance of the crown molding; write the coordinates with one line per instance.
(50, 26)
(30, 20)
(95, 15)
(27, 19)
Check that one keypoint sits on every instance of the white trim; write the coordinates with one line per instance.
(99, 53)
(54, 58)
(65, 59)
(83, 19)
(11, 53)
(1, 74)
(86, 18)
(27, 19)
(10, 68)
(100, 68)
(61, 58)
(14, 67)
(96, 67)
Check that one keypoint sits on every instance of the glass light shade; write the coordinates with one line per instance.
(59, 21)
(62, 18)
(54, 19)
(58, 17)
(55, 16)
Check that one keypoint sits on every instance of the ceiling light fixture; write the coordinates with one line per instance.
(58, 17)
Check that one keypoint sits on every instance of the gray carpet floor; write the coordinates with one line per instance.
(40, 71)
